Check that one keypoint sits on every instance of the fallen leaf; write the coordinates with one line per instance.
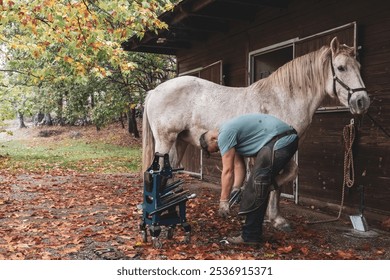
(386, 224)
(345, 255)
(285, 250)
(305, 251)
(72, 249)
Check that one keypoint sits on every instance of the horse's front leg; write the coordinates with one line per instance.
(273, 211)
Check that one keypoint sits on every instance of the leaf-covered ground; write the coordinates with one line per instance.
(67, 214)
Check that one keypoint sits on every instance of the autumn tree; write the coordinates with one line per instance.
(70, 51)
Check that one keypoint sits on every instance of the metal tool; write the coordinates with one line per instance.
(235, 197)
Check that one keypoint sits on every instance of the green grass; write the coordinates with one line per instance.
(75, 155)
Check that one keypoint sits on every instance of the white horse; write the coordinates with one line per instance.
(178, 111)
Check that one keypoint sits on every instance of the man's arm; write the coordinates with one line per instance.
(227, 176)
(239, 171)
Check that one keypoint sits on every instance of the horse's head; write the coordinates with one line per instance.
(346, 82)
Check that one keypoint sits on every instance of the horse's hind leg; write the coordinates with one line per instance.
(273, 212)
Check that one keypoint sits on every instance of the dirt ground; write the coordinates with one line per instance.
(68, 215)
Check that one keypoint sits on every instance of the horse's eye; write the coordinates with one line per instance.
(341, 68)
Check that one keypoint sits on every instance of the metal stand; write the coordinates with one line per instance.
(163, 204)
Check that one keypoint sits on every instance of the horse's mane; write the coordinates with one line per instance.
(306, 73)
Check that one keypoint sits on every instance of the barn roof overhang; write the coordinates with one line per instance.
(196, 20)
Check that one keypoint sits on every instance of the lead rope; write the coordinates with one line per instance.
(349, 171)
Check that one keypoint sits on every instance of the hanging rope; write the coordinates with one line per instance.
(349, 138)
(349, 171)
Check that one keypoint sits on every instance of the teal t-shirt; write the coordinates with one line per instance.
(249, 133)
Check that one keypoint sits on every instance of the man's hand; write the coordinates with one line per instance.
(223, 208)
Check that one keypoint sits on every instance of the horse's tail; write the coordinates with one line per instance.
(147, 141)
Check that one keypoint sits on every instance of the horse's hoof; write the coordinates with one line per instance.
(285, 227)
(282, 224)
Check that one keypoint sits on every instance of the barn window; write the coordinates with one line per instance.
(265, 61)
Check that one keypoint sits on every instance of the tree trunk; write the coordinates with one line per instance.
(121, 120)
(38, 118)
(21, 120)
(132, 123)
(47, 120)
(60, 111)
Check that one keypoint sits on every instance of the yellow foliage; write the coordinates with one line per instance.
(68, 59)
(49, 3)
(68, 30)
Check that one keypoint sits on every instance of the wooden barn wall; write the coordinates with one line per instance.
(321, 156)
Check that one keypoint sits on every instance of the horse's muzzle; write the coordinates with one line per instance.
(359, 103)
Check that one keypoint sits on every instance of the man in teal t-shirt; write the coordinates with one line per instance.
(265, 137)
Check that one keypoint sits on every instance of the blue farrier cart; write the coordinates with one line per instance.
(164, 204)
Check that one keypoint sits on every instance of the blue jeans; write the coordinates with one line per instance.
(253, 228)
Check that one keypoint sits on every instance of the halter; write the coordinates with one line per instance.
(337, 79)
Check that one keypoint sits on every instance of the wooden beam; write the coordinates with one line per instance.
(183, 35)
(258, 3)
(236, 16)
(181, 12)
(154, 49)
(201, 25)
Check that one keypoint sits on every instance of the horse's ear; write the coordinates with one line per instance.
(334, 45)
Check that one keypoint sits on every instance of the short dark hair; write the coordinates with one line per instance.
(204, 145)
